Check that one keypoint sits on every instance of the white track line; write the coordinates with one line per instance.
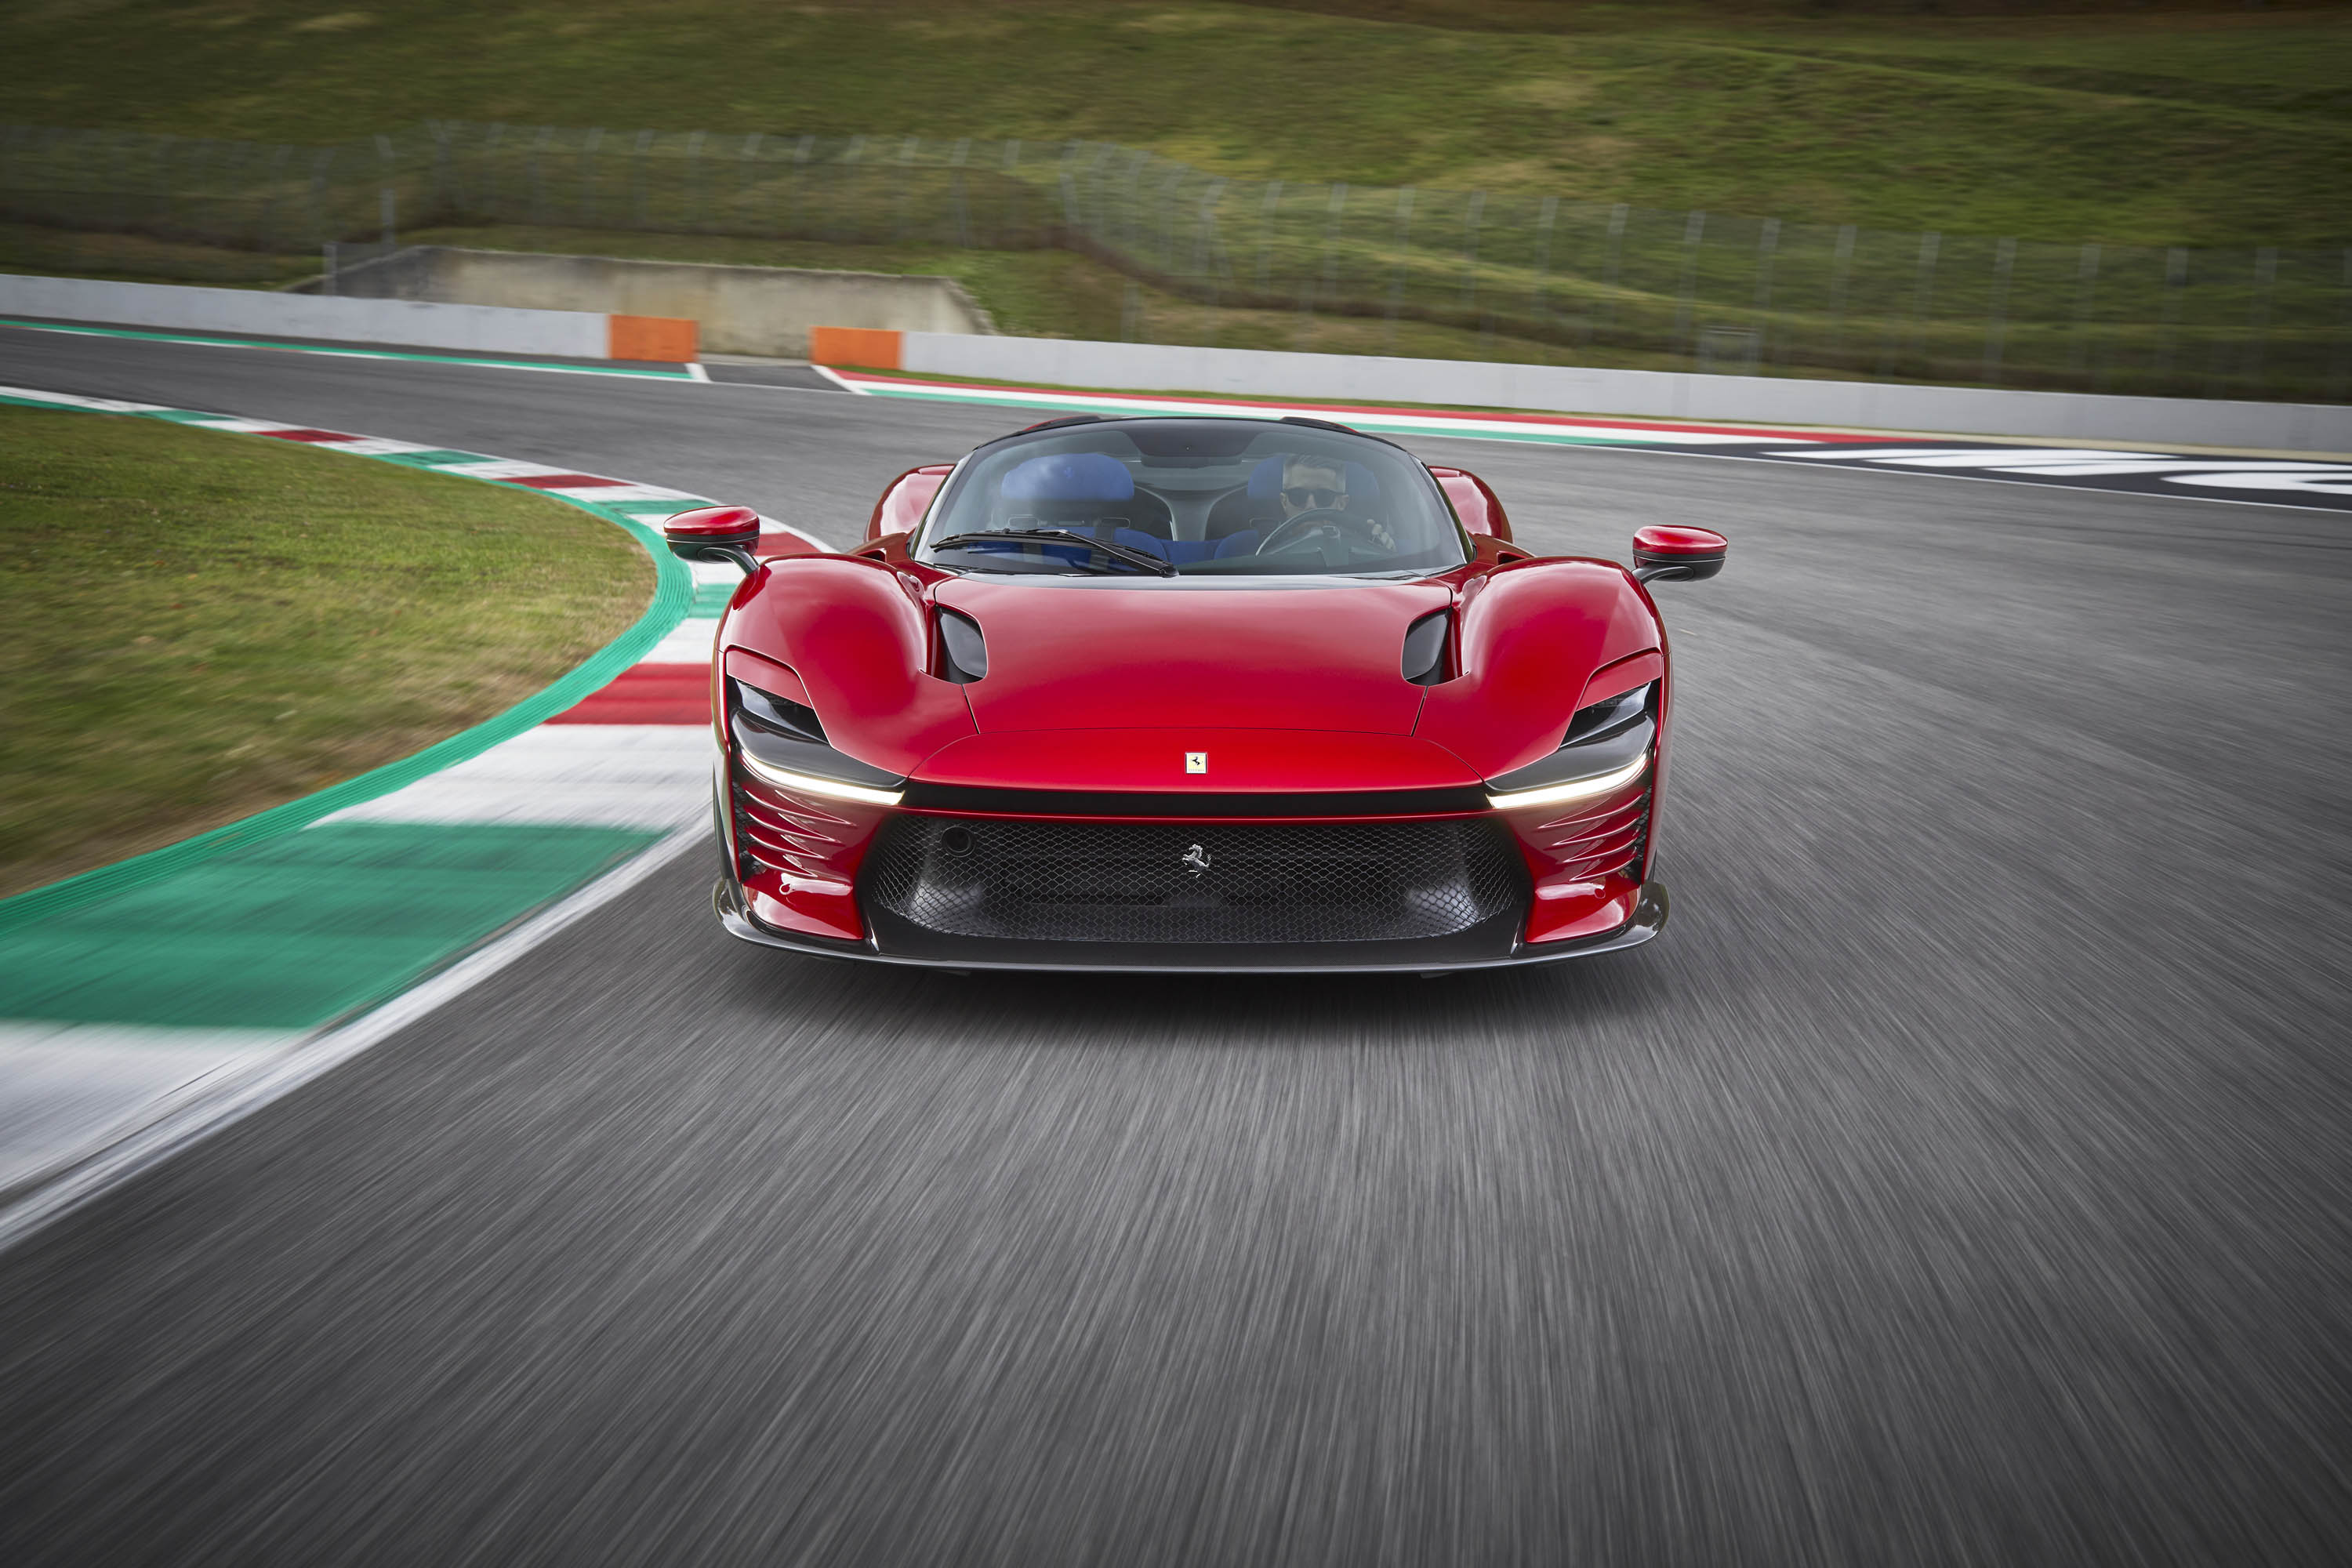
(231, 1096)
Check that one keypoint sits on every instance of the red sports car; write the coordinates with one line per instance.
(1181, 693)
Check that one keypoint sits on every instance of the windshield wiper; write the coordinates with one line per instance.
(1127, 553)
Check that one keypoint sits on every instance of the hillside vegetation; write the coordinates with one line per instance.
(2226, 127)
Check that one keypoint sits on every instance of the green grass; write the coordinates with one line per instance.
(2209, 128)
(206, 624)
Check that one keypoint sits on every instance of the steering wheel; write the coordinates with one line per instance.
(1322, 517)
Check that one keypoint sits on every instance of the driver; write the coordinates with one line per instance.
(1320, 484)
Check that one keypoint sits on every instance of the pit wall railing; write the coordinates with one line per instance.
(1720, 292)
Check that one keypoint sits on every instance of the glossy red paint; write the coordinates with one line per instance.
(736, 525)
(1104, 686)
(906, 499)
(1686, 553)
(1623, 676)
(1584, 858)
(1474, 503)
(1662, 539)
(1239, 762)
(858, 632)
(808, 848)
(769, 676)
(1528, 630)
(1084, 658)
(1565, 911)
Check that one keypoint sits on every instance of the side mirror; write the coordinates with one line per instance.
(715, 533)
(1678, 554)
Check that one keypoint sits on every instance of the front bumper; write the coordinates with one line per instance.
(1494, 944)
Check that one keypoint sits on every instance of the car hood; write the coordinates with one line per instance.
(1099, 656)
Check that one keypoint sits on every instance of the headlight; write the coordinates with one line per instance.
(1609, 744)
(782, 743)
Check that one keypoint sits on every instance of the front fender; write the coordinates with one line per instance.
(857, 633)
(1532, 635)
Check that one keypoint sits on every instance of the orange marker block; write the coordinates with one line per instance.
(669, 339)
(868, 348)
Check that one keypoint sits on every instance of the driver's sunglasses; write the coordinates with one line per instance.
(1309, 498)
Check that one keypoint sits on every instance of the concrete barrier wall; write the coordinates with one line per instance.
(473, 329)
(740, 310)
(1665, 394)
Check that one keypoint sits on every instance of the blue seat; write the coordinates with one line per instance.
(1069, 477)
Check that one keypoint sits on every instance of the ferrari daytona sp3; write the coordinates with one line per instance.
(1190, 693)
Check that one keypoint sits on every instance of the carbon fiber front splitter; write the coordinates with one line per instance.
(1269, 958)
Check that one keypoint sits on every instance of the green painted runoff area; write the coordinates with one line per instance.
(280, 919)
(299, 930)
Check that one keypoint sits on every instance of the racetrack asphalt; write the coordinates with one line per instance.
(1962, 1177)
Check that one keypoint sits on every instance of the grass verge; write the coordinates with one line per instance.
(204, 626)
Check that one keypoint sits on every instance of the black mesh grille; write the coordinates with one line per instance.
(1194, 882)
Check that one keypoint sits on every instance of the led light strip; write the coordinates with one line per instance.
(1575, 789)
(809, 783)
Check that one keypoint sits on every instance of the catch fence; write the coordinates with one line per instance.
(1702, 290)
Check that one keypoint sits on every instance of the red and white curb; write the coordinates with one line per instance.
(634, 754)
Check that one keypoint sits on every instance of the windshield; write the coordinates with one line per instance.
(1154, 498)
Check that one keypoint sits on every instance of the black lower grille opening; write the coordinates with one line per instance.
(1194, 882)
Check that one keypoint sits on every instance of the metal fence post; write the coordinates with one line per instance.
(1470, 249)
(956, 193)
(1167, 217)
(2340, 379)
(2176, 279)
(746, 160)
(1767, 246)
(694, 179)
(317, 196)
(1012, 177)
(1608, 266)
(909, 150)
(1693, 231)
(1923, 297)
(1404, 257)
(1332, 223)
(493, 194)
(1203, 263)
(539, 174)
(2258, 324)
(2004, 261)
(799, 178)
(853, 162)
(389, 202)
(1841, 266)
(585, 215)
(441, 177)
(2085, 289)
(1546, 216)
(1268, 211)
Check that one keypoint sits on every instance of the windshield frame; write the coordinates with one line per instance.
(934, 523)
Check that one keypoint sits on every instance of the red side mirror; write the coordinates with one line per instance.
(715, 533)
(1679, 554)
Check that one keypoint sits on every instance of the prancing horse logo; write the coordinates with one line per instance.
(1196, 860)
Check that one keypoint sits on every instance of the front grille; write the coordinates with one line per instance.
(1195, 882)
